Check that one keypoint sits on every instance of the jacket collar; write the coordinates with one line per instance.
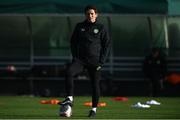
(89, 23)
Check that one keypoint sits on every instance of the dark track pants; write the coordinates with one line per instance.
(77, 67)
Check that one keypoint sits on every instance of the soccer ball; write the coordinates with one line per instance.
(65, 111)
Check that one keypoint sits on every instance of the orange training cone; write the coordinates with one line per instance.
(101, 104)
(120, 99)
(53, 101)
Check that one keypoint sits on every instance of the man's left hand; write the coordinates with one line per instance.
(98, 68)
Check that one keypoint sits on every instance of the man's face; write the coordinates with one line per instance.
(91, 15)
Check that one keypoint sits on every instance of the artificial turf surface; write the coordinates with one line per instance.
(26, 107)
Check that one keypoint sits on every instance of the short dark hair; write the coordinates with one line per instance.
(88, 7)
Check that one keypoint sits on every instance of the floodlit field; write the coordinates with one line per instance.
(25, 107)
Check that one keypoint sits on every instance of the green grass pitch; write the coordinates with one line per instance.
(25, 107)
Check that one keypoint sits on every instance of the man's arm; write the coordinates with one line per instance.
(74, 39)
(105, 46)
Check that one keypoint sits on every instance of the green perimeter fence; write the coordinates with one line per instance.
(26, 41)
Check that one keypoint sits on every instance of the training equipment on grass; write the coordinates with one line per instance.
(120, 99)
(65, 111)
(153, 102)
(140, 105)
(53, 101)
(101, 104)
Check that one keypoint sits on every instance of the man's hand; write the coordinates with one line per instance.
(98, 68)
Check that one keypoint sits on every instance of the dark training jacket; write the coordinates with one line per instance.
(90, 43)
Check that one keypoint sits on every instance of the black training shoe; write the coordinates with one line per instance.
(92, 113)
(67, 101)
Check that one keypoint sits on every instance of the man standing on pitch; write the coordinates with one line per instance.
(90, 44)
